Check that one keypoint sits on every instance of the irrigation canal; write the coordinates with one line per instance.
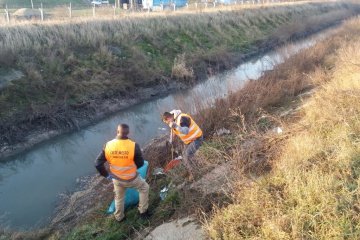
(31, 182)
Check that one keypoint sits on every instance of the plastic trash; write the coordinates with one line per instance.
(222, 131)
(172, 164)
(277, 130)
(131, 194)
(164, 192)
(158, 171)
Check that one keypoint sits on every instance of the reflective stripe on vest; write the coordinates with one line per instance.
(194, 130)
(120, 155)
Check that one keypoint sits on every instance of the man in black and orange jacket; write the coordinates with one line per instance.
(124, 157)
(184, 126)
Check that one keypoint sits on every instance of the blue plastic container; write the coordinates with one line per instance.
(131, 194)
(169, 3)
(230, 2)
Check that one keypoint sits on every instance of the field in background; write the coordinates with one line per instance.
(60, 11)
(37, 3)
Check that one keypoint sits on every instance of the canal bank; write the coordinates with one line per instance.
(39, 123)
(100, 190)
(90, 150)
(72, 154)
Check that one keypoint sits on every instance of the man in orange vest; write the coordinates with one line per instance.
(124, 157)
(183, 126)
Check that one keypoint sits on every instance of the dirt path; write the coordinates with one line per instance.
(187, 228)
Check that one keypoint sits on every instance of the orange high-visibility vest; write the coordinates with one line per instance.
(194, 130)
(120, 155)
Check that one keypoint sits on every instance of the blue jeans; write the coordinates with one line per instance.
(189, 152)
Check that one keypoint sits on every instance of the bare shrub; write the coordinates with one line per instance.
(180, 70)
(7, 58)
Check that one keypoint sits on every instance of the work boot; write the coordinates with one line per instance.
(146, 214)
(122, 220)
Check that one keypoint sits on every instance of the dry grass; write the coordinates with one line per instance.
(312, 191)
(82, 62)
(61, 12)
(180, 70)
(281, 84)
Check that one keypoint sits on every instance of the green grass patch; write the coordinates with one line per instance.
(106, 227)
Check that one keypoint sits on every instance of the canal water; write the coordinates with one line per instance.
(30, 183)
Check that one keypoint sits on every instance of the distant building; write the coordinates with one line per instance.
(229, 2)
(152, 5)
(155, 5)
(225, 2)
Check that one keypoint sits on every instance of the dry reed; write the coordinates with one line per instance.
(312, 191)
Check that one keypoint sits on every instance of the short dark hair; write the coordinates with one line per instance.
(166, 115)
(123, 129)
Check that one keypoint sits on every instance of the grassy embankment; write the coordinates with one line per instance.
(300, 184)
(78, 65)
(311, 187)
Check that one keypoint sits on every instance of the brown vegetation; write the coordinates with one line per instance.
(83, 65)
(311, 191)
(302, 183)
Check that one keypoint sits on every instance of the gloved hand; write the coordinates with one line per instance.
(172, 125)
(108, 177)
